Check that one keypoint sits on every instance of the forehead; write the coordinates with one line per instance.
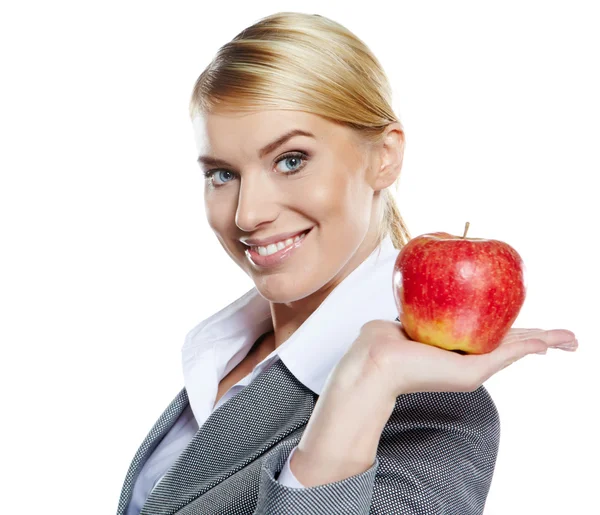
(218, 134)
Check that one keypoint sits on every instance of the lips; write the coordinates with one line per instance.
(276, 258)
(256, 242)
(260, 249)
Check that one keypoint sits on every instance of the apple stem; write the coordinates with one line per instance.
(466, 229)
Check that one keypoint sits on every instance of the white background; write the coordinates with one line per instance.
(107, 260)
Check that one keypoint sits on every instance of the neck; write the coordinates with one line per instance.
(288, 317)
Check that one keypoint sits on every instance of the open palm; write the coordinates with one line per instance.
(403, 365)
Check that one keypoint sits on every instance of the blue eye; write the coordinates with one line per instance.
(289, 157)
(217, 172)
(299, 157)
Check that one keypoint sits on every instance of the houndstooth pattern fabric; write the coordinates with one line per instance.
(436, 456)
(156, 434)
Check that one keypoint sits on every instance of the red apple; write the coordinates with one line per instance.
(458, 293)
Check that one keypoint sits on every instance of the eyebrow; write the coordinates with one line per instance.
(212, 161)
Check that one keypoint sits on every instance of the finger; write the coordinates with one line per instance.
(521, 330)
(506, 355)
(552, 337)
(515, 335)
(486, 365)
(556, 339)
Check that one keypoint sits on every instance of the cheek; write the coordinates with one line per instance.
(322, 200)
(214, 220)
(329, 197)
(340, 198)
(217, 210)
(219, 219)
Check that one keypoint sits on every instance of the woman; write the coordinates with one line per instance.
(300, 149)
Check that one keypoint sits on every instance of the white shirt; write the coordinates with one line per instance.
(218, 344)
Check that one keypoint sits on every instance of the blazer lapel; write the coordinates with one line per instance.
(156, 434)
(241, 430)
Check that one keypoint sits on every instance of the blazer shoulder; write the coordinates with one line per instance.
(476, 407)
(469, 412)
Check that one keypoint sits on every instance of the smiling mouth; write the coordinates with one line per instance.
(273, 248)
(272, 254)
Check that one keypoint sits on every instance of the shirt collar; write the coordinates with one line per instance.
(314, 349)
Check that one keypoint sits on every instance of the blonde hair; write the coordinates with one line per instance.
(305, 62)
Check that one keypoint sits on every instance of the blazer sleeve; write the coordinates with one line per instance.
(436, 456)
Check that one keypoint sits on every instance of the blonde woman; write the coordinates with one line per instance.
(304, 396)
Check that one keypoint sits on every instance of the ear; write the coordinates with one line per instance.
(391, 155)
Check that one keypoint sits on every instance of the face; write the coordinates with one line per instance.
(317, 185)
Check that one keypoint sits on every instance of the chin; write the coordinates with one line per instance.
(282, 288)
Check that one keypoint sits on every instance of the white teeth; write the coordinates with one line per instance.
(276, 247)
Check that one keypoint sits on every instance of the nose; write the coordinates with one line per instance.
(257, 202)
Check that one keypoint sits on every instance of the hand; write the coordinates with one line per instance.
(383, 353)
(381, 364)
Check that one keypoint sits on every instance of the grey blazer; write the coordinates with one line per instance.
(436, 456)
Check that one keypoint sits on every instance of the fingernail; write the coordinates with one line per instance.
(542, 351)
